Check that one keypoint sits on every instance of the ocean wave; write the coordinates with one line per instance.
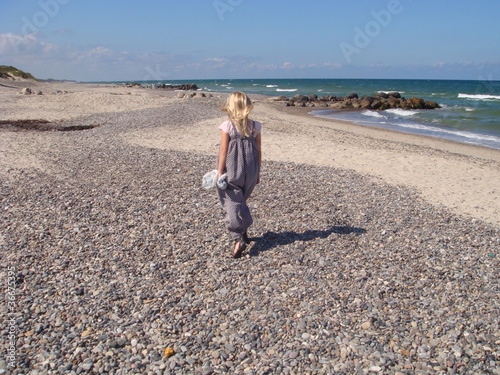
(457, 108)
(372, 114)
(434, 128)
(388, 92)
(401, 112)
(479, 96)
(289, 90)
(271, 85)
(459, 133)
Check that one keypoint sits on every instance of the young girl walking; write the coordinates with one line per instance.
(240, 159)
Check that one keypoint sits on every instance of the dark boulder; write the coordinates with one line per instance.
(355, 103)
(379, 102)
(416, 103)
(376, 103)
(393, 102)
(186, 86)
(431, 104)
(366, 104)
(395, 94)
(300, 98)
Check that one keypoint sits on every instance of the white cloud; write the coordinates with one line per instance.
(103, 63)
(260, 67)
(11, 44)
(217, 62)
(331, 65)
(48, 60)
(287, 65)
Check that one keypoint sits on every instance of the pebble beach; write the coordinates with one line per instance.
(372, 252)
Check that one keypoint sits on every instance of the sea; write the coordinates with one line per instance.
(470, 110)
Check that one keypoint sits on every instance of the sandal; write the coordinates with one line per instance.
(242, 246)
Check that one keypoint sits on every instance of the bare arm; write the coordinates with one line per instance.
(224, 145)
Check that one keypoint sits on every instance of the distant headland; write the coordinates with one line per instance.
(14, 74)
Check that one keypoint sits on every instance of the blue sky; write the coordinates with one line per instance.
(105, 40)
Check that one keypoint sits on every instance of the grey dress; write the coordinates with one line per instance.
(242, 169)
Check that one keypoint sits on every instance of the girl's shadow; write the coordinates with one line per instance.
(270, 240)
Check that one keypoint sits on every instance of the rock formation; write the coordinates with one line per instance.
(186, 86)
(380, 101)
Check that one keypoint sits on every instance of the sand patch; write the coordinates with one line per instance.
(465, 184)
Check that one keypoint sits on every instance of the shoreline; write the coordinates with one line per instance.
(167, 92)
(463, 178)
(464, 117)
(399, 136)
(445, 133)
(378, 132)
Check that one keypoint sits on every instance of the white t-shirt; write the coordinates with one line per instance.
(228, 128)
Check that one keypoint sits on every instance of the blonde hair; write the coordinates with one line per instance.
(238, 107)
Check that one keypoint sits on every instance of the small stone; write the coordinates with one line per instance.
(85, 333)
(168, 352)
(87, 365)
(366, 325)
(343, 353)
(121, 341)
